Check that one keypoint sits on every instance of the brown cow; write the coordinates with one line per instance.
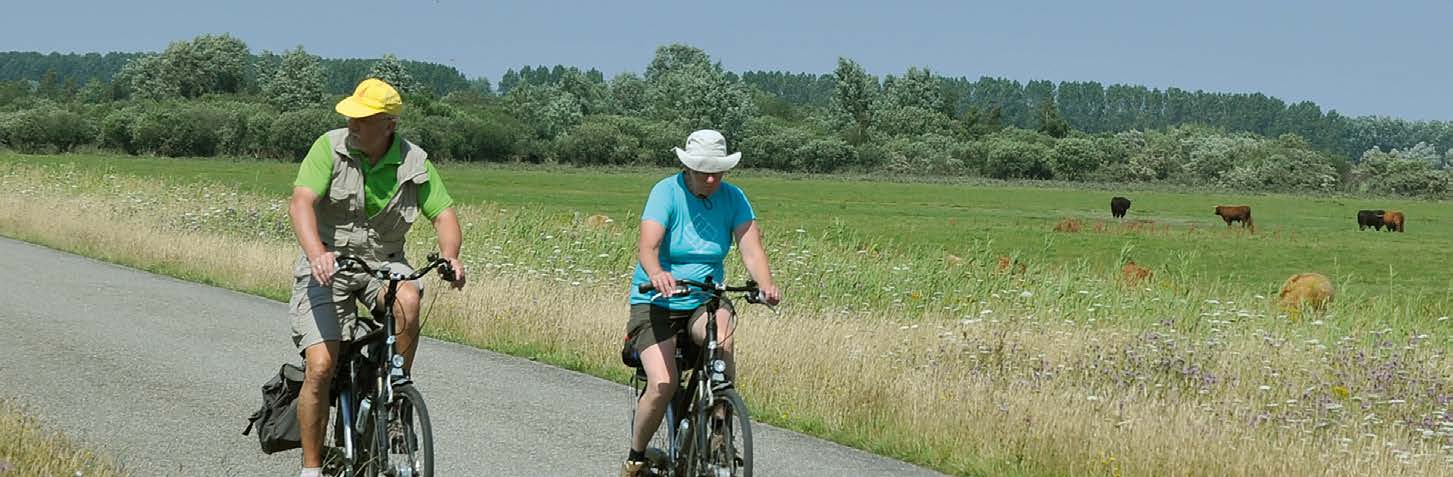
(1393, 220)
(1305, 290)
(1235, 213)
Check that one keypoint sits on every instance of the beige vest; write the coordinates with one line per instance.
(343, 222)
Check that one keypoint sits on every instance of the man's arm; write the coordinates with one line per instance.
(446, 226)
(305, 227)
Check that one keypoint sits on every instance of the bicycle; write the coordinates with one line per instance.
(707, 429)
(354, 445)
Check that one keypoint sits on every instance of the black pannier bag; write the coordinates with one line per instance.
(277, 421)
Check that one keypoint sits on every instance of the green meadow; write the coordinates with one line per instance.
(1172, 233)
(918, 346)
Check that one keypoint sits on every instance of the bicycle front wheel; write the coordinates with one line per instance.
(409, 437)
(728, 448)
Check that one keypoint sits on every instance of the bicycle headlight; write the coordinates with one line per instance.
(398, 361)
(718, 366)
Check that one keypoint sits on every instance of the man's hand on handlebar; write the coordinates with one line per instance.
(458, 271)
(323, 266)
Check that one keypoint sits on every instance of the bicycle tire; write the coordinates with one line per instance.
(729, 447)
(411, 442)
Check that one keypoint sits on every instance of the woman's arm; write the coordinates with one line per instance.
(754, 256)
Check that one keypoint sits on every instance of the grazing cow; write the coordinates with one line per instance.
(1393, 220)
(1235, 213)
(1118, 206)
(1305, 290)
(1369, 218)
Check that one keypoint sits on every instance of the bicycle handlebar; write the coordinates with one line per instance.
(753, 294)
(446, 271)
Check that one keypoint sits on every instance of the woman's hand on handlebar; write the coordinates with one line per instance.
(665, 283)
(771, 294)
(323, 266)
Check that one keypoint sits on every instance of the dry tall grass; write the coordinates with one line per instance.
(1059, 372)
(27, 449)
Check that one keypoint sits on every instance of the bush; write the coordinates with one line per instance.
(46, 128)
(770, 143)
(116, 128)
(1074, 158)
(176, 129)
(598, 141)
(442, 137)
(291, 134)
(1009, 159)
(1388, 173)
(825, 154)
(928, 154)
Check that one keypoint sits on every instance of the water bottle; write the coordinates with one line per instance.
(681, 432)
(363, 418)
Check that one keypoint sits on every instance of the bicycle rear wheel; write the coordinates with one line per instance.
(409, 436)
(728, 450)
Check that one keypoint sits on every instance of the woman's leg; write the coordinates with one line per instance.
(725, 329)
(659, 361)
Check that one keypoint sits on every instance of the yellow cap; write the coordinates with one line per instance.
(373, 96)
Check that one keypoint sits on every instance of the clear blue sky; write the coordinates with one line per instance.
(1387, 58)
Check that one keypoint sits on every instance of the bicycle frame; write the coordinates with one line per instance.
(699, 384)
(351, 427)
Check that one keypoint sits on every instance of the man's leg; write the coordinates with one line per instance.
(313, 400)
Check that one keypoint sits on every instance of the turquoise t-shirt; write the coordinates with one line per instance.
(698, 236)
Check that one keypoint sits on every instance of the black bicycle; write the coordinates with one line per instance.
(367, 438)
(707, 430)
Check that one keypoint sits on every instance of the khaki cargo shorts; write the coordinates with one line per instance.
(322, 313)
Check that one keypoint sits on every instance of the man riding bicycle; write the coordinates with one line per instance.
(687, 228)
(358, 191)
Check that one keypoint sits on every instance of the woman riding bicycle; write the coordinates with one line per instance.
(687, 228)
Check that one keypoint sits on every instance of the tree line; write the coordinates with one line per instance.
(211, 95)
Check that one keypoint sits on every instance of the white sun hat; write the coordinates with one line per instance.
(706, 152)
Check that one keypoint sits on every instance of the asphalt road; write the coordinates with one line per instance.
(162, 374)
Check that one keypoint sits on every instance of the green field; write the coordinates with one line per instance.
(935, 359)
(1172, 233)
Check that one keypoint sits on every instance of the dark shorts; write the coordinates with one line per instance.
(651, 324)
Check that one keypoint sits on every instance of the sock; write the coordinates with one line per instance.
(312, 472)
(636, 456)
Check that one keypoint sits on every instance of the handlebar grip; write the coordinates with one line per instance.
(446, 272)
(755, 297)
(648, 288)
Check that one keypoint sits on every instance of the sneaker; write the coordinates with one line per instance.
(632, 468)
